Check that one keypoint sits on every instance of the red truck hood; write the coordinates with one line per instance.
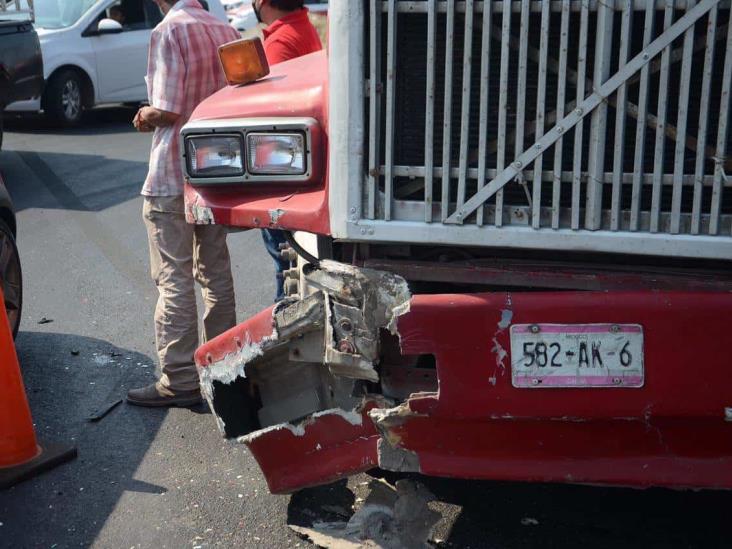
(293, 88)
(296, 88)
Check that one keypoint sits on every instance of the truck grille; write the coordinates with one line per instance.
(453, 89)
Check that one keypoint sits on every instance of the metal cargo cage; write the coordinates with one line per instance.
(563, 124)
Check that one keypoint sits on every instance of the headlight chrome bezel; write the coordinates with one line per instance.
(250, 161)
(242, 154)
(242, 127)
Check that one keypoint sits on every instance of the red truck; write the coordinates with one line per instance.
(511, 235)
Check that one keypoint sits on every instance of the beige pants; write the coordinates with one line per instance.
(179, 255)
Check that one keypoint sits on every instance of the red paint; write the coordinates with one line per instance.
(293, 88)
(330, 449)
(670, 432)
(296, 88)
(251, 331)
(684, 452)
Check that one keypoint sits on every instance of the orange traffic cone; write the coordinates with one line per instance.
(20, 455)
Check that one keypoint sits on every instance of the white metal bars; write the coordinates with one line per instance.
(486, 115)
(720, 157)
(620, 110)
(703, 122)
(375, 90)
(390, 84)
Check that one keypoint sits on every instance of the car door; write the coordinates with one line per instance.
(121, 58)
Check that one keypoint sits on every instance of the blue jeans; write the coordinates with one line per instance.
(272, 240)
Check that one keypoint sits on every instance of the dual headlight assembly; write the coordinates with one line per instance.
(254, 154)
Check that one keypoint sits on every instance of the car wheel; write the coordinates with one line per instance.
(63, 100)
(11, 277)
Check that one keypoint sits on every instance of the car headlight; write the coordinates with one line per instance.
(276, 153)
(215, 155)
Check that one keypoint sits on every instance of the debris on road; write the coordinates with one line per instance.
(103, 412)
(329, 535)
(390, 518)
(528, 521)
(75, 352)
(45, 320)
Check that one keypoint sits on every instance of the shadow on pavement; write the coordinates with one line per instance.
(503, 514)
(87, 180)
(98, 121)
(329, 503)
(67, 379)
(81, 182)
(483, 514)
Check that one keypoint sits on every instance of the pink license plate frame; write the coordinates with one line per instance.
(604, 355)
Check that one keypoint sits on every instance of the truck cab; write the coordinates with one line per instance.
(510, 228)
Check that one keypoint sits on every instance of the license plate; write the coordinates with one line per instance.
(577, 355)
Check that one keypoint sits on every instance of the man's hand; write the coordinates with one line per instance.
(149, 118)
(140, 124)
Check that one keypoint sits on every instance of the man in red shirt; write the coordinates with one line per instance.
(289, 34)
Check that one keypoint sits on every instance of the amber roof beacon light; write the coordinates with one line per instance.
(243, 61)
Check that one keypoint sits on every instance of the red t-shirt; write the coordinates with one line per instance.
(290, 36)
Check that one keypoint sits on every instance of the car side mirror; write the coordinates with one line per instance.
(109, 26)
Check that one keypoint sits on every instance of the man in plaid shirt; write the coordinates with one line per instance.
(183, 69)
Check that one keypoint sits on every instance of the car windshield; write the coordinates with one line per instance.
(59, 14)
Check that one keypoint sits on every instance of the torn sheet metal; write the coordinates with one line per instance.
(392, 455)
(352, 305)
(292, 377)
(327, 446)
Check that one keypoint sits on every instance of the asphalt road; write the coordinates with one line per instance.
(165, 479)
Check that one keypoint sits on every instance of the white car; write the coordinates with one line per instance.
(94, 52)
(230, 5)
(241, 14)
(242, 17)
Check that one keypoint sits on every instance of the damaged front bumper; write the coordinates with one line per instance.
(346, 379)
(295, 383)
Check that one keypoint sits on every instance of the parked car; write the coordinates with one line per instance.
(241, 16)
(94, 53)
(232, 5)
(21, 65)
(11, 278)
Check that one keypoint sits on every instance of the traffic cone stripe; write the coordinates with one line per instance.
(20, 455)
(17, 437)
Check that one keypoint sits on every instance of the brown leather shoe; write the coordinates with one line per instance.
(157, 396)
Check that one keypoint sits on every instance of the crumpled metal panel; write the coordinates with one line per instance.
(671, 432)
(287, 382)
(328, 446)
(674, 431)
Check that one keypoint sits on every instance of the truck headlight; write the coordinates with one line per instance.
(215, 155)
(276, 153)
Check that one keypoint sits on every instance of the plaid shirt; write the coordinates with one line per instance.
(183, 69)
